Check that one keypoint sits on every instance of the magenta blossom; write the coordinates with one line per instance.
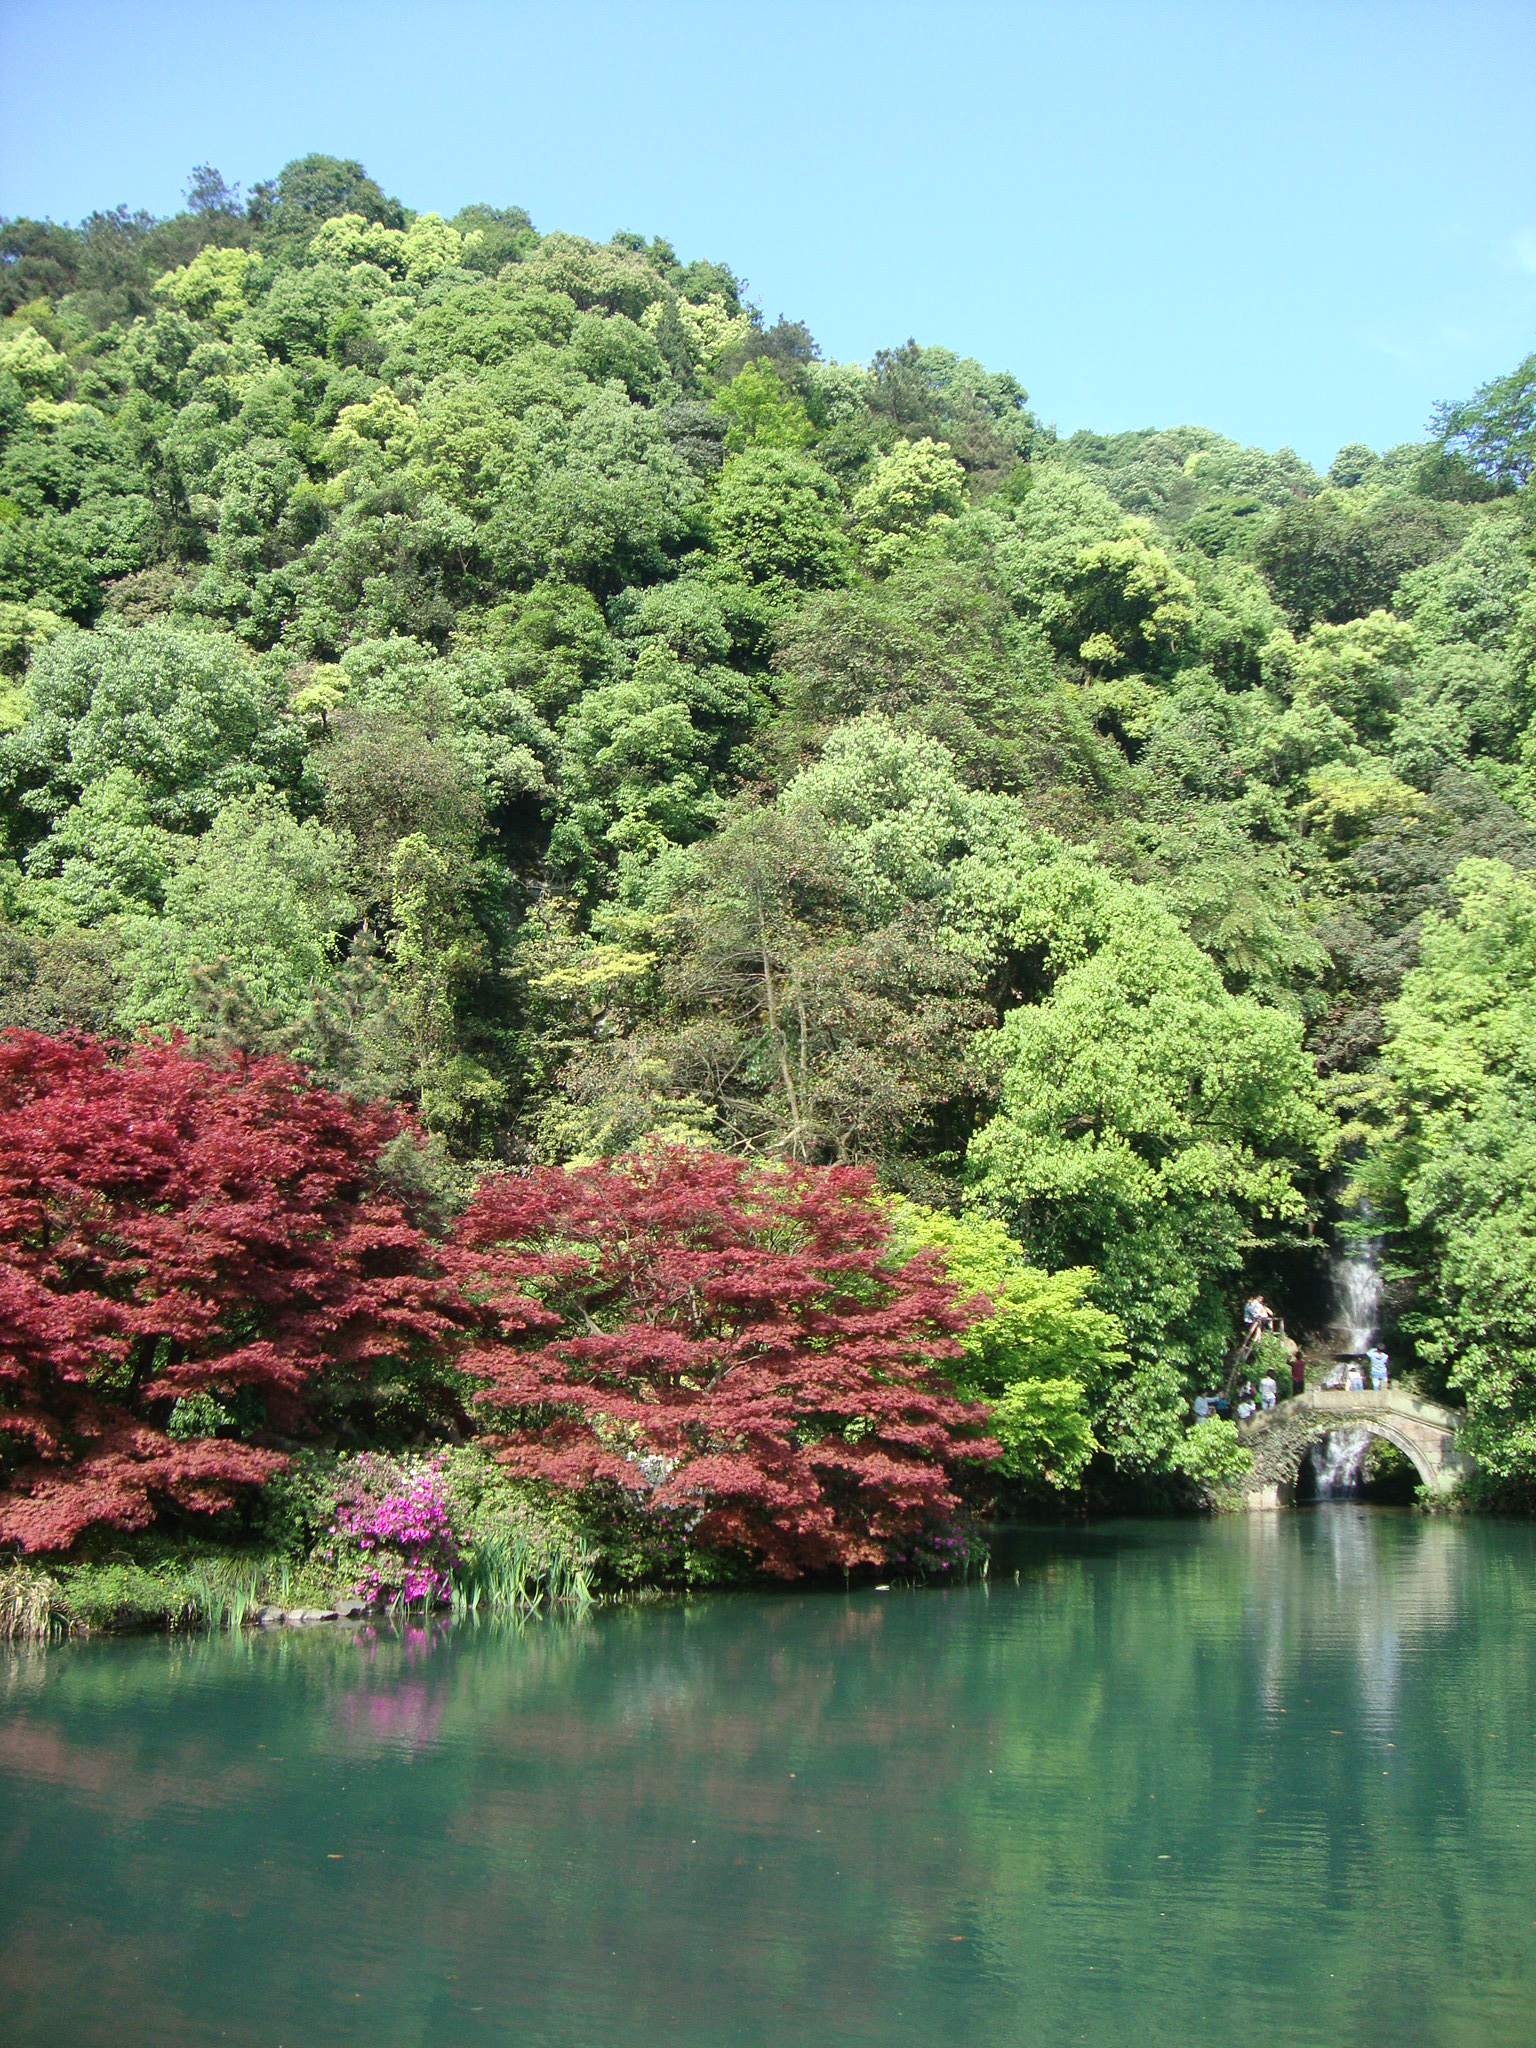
(398, 1517)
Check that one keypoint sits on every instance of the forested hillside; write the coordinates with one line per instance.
(510, 676)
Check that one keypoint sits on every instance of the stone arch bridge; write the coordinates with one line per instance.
(1423, 1431)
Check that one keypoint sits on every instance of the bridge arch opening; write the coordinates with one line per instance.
(1360, 1460)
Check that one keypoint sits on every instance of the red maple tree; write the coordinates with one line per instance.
(734, 1344)
(172, 1226)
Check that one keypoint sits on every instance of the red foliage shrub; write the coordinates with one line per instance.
(733, 1343)
(171, 1226)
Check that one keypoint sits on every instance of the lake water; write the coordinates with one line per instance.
(1268, 1781)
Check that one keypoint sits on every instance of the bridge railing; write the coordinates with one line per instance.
(1339, 1401)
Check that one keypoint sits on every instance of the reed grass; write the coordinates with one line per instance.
(224, 1593)
(31, 1606)
(511, 1571)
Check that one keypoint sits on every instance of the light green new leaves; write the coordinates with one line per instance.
(105, 855)
(1044, 1431)
(258, 890)
(762, 412)
(895, 807)
(35, 364)
(429, 245)
(916, 484)
(1038, 1353)
(212, 286)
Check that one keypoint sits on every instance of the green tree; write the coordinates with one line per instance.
(1339, 556)
(436, 954)
(777, 519)
(895, 809)
(1495, 429)
(1452, 1169)
(259, 891)
(1041, 1355)
(1151, 1126)
(761, 412)
(1129, 603)
(754, 995)
(188, 714)
(382, 781)
(318, 188)
(907, 490)
(105, 855)
(982, 416)
(638, 755)
(934, 646)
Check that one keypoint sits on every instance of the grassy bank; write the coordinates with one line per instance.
(303, 1546)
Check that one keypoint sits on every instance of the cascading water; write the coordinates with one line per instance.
(1357, 1295)
(1338, 1463)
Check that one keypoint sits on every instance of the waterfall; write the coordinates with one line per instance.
(1338, 1462)
(1357, 1294)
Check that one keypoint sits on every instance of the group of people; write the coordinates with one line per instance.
(1258, 1317)
(1348, 1376)
(1250, 1399)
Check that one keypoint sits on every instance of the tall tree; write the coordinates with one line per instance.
(1495, 429)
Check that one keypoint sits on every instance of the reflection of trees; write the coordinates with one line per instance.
(1223, 1666)
(766, 1819)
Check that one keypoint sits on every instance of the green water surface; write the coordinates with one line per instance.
(1264, 1781)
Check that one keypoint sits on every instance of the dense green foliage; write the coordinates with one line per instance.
(1454, 1167)
(502, 670)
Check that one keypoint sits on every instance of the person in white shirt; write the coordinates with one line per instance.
(1257, 1314)
(1267, 1390)
(1377, 1359)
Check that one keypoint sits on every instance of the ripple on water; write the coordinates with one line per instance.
(1261, 1780)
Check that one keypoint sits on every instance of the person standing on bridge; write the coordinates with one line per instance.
(1377, 1359)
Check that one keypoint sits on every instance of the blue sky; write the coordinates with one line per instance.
(1293, 223)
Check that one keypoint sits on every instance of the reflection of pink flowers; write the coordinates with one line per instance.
(410, 1714)
(397, 1516)
(397, 1702)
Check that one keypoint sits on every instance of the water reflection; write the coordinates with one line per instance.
(397, 1697)
(1155, 1790)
